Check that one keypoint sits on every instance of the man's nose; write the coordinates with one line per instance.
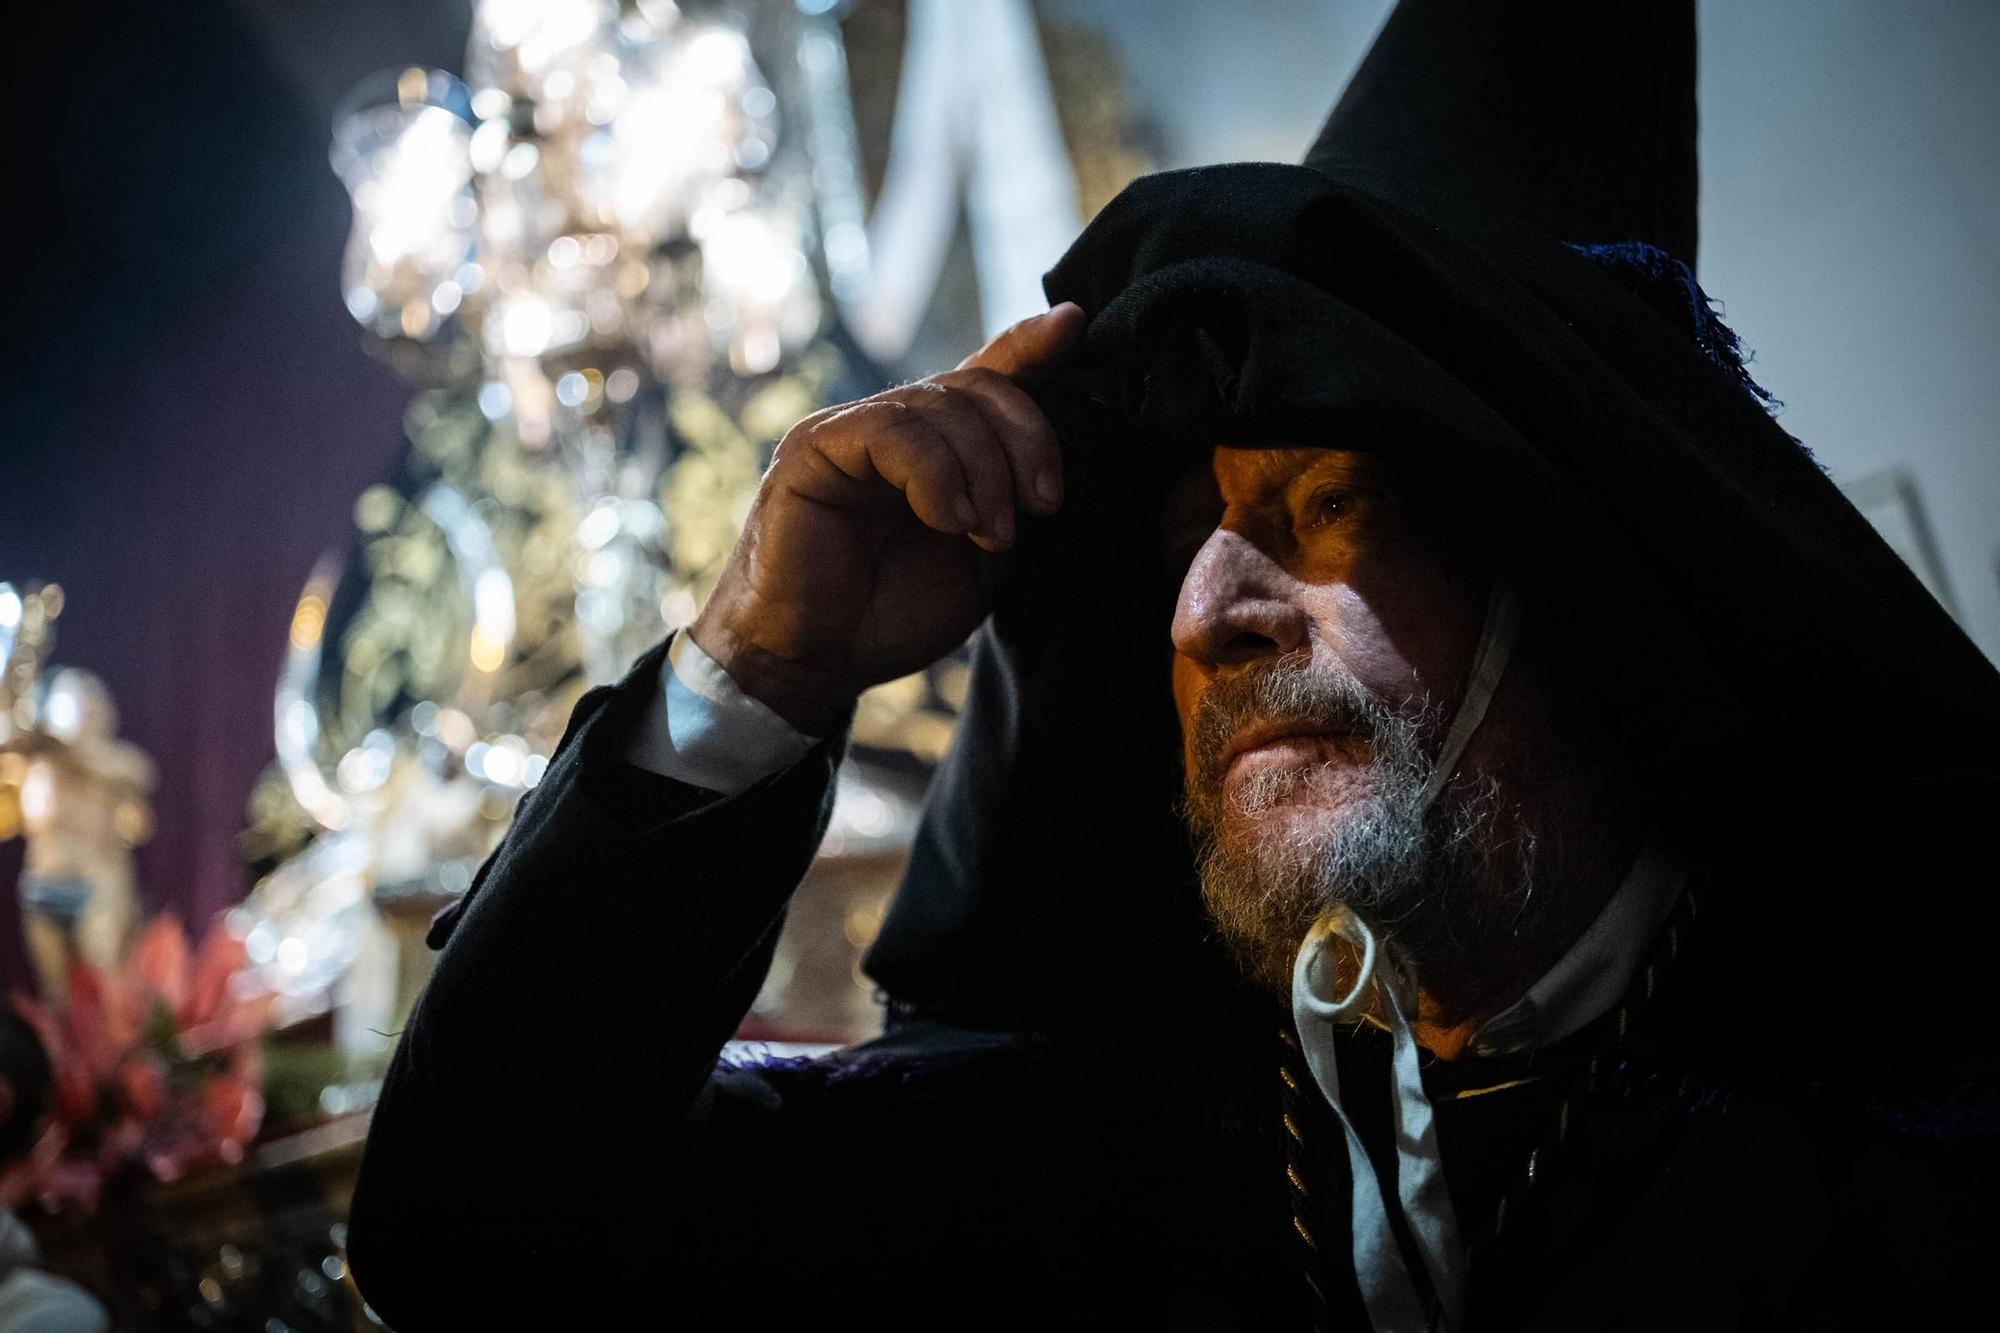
(1234, 606)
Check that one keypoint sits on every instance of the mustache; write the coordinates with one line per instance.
(1285, 690)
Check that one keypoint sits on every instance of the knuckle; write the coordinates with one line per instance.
(914, 427)
(874, 416)
(825, 423)
(955, 395)
(979, 378)
(808, 426)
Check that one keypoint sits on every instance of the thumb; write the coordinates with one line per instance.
(1024, 351)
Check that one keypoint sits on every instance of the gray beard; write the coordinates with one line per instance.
(1433, 884)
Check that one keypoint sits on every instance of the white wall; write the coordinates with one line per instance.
(1851, 222)
(1850, 209)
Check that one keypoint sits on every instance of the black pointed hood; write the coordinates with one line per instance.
(1578, 119)
(1591, 417)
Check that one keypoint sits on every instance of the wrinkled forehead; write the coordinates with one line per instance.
(1228, 475)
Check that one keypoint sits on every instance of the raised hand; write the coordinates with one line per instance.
(870, 548)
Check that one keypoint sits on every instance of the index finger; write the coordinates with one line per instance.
(1024, 351)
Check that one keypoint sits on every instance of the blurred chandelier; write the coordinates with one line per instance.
(611, 267)
(601, 239)
(598, 207)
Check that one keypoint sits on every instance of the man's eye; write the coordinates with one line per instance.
(1329, 507)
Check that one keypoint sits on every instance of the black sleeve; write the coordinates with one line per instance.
(532, 1144)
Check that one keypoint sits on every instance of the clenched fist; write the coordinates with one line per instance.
(869, 549)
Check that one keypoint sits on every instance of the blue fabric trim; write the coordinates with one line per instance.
(1669, 286)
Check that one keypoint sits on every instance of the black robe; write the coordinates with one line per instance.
(557, 1142)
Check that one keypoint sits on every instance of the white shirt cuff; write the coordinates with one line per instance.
(702, 729)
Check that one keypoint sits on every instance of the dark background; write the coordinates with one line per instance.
(186, 409)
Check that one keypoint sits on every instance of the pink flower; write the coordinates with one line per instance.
(159, 1065)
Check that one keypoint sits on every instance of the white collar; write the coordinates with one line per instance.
(1585, 983)
(1597, 970)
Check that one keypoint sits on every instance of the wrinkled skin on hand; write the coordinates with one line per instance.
(872, 545)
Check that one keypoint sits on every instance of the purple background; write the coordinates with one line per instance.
(186, 410)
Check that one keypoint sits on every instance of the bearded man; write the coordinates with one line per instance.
(1580, 794)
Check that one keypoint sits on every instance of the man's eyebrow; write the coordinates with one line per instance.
(1368, 475)
(1354, 467)
(1191, 502)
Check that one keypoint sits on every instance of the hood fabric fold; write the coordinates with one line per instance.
(1812, 727)
(1813, 722)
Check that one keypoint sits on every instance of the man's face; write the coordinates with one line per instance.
(1325, 623)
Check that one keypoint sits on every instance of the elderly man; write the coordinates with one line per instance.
(1523, 696)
